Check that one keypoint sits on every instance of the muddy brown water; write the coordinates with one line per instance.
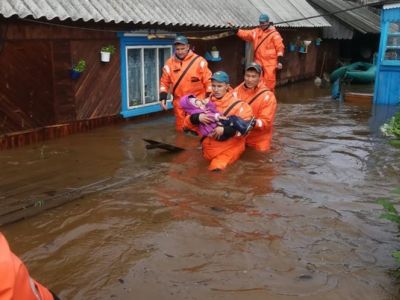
(300, 222)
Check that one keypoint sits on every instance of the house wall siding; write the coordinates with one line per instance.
(37, 92)
(35, 87)
(26, 85)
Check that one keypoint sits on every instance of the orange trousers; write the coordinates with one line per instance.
(179, 116)
(259, 140)
(222, 154)
(270, 77)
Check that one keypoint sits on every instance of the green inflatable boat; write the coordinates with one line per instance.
(359, 72)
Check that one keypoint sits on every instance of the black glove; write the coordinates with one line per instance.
(163, 96)
(280, 59)
(229, 131)
(195, 119)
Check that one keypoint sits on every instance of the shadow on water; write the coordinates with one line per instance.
(297, 222)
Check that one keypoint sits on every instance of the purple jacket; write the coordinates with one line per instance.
(189, 108)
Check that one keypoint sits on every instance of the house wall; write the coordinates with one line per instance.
(296, 65)
(36, 90)
(35, 87)
(232, 53)
(26, 85)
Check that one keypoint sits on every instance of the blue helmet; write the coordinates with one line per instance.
(220, 76)
(181, 39)
(263, 18)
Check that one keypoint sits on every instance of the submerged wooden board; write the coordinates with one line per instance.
(358, 98)
(159, 145)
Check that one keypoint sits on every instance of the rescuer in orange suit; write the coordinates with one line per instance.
(184, 73)
(15, 282)
(268, 48)
(263, 104)
(222, 153)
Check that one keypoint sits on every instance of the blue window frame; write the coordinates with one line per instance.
(391, 53)
(142, 60)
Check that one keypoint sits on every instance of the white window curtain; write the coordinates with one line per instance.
(144, 69)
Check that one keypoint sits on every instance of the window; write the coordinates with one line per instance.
(392, 50)
(143, 71)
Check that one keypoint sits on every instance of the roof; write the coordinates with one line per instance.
(360, 19)
(204, 13)
(390, 6)
(338, 30)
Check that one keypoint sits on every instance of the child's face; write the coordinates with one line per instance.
(198, 103)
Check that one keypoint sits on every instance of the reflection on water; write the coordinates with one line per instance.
(298, 222)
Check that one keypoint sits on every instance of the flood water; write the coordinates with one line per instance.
(300, 222)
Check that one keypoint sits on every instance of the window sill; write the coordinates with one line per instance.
(392, 63)
(143, 110)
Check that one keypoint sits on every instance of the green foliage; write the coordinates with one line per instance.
(396, 255)
(392, 127)
(108, 48)
(80, 66)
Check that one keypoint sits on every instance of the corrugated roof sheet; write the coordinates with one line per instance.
(337, 31)
(204, 13)
(361, 19)
(390, 6)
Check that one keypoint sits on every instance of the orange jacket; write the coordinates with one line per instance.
(15, 283)
(223, 153)
(196, 81)
(267, 51)
(264, 108)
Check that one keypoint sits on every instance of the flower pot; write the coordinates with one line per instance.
(302, 49)
(215, 54)
(105, 56)
(74, 74)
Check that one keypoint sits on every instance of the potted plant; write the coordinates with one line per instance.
(106, 52)
(302, 47)
(78, 68)
(214, 52)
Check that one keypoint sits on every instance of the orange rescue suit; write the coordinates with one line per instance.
(268, 45)
(263, 104)
(15, 282)
(222, 153)
(196, 81)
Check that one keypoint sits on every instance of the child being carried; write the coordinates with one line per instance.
(192, 105)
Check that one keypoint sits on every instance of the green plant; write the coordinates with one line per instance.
(80, 66)
(392, 127)
(391, 214)
(214, 48)
(109, 48)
